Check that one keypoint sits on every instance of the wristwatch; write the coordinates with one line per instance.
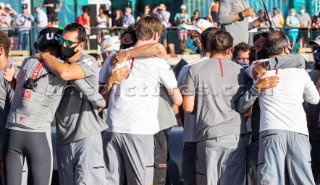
(241, 16)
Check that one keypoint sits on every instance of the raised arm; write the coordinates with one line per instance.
(63, 71)
(225, 16)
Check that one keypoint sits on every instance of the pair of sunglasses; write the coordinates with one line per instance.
(68, 42)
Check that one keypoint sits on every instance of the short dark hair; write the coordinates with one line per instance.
(85, 9)
(130, 30)
(206, 38)
(260, 35)
(82, 35)
(221, 42)
(240, 47)
(95, 55)
(275, 43)
(5, 42)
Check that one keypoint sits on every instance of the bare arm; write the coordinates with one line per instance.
(188, 104)
(116, 75)
(147, 50)
(60, 5)
(209, 10)
(63, 71)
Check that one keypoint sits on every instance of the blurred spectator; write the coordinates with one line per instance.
(108, 11)
(213, 12)
(293, 23)
(127, 18)
(316, 21)
(97, 57)
(52, 11)
(117, 18)
(180, 19)
(102, 21)
(241, 53)
(24, 21)
(109, 45)
(146, 12)
(7, 17)
(10, 11)
(264, 26)
(305, 23)
(41, 18)
(128, 37)
(277, 18)
(164, 16)
(84, 20)
(195, 17)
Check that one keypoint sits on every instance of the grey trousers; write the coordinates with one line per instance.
(252, 161)
(222, 161)
(129, 158)
(189, 163)
(81, 162)
(281, 151)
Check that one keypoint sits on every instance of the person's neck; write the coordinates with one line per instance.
(3, 62)
(220, 55)
(143, 42)
(146, 12)
(206, 54)
(74, 58)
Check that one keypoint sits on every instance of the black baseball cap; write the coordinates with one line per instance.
(24, 6)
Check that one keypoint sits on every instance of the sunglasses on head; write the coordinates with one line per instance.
(68, 42)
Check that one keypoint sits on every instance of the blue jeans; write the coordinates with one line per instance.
(24, 40)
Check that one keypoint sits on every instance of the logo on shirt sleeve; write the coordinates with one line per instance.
(88, 61)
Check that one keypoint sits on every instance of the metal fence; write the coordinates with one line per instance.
(172, 36)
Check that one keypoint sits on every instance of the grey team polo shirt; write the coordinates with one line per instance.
(217, 86)
(76, 117)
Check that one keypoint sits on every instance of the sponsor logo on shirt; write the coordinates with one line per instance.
(26, 94)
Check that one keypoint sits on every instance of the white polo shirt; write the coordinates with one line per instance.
(281, 107)
(133, 104)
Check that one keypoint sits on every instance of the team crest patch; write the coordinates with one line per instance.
(88, 61)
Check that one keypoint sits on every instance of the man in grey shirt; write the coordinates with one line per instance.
(233, 19)
(24, 21)
(215, 85)
(6, 91)
(79, 127)
(305, 24)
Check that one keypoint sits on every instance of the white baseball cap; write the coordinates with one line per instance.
(110, 44)
(199, 26)
(183, 7)
(315, 41)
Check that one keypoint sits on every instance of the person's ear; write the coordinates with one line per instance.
(1, 51)
(81, 46)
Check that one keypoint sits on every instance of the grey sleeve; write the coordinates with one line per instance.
(247, 99)
(287, 61)
(225, 16)
(89, 85)
(89, 91)
(88, 66)
(189, 87)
